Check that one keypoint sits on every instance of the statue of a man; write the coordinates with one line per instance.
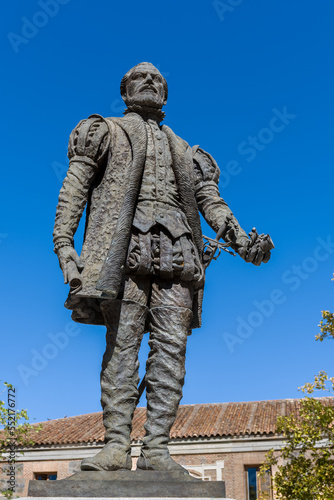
(141, 266)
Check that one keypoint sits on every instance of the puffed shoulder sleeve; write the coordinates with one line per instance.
(89, 141)
(206, 168)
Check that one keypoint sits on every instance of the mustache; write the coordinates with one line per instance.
(148, 87)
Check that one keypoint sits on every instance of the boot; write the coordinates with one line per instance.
(111, 457)
(119, 381)
(165, 373)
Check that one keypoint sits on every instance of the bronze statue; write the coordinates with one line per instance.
(142, 265)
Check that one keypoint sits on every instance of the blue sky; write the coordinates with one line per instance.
(252, 83)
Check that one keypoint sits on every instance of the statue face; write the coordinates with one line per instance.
(145, 87)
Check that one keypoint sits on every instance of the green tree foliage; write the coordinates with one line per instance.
(326, 326)
(15, 430)
(305, 466)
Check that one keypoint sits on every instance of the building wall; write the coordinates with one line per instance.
(19, 481)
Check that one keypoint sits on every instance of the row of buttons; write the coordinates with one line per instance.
(160, 171)
(158, 180)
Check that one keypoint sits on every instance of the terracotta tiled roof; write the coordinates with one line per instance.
(193, 421)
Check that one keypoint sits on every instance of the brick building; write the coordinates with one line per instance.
(224, 441)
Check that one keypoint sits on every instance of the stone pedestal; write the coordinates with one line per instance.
(128, 484)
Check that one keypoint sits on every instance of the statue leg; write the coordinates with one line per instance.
(169, 329)
(119, 380)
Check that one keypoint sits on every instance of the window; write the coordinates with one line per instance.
(45, 476)
(207, 472)
(257, 485)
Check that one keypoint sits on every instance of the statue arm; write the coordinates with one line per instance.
(72, 201)
(214, 208)
(87, 150)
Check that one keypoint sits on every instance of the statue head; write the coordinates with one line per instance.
(144, 86)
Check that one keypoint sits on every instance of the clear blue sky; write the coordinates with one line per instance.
(253, 85)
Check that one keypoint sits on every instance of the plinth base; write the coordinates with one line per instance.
(128, 484)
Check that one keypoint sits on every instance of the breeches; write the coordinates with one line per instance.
(155, 292)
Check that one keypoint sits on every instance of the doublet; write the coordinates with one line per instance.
(161, 242)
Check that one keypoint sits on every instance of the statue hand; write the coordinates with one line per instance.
(65, 255)
(257, 249)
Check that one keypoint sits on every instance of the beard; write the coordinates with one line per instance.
(146, 103)
(144, 99)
